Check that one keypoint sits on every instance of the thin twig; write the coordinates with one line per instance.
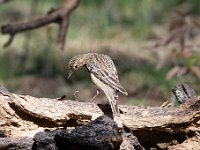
(59, 16)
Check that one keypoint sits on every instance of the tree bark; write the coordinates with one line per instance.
(173, 128)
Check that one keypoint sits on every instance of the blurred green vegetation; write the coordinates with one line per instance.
(93, 25)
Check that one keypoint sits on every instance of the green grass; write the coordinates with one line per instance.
(5, 71)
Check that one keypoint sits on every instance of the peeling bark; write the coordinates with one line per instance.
(24, 116)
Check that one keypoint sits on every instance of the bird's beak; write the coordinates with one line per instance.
(69, 75)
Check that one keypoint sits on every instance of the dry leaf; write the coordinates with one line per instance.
(172, 72)
(196, 71)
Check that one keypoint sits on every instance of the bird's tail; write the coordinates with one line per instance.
(112, 98)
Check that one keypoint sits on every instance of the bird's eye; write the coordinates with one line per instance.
(76, 67)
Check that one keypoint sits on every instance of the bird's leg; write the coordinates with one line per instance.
(95, 96)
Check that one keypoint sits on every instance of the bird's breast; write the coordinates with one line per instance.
(97, 81)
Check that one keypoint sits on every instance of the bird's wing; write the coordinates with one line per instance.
(105, 70)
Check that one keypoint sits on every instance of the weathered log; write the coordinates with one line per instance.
(14, 143)
(101, 133)
(184, 92)
(25, 115)
(130, 142)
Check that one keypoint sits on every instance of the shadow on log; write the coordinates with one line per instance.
(101, 133)
(155, 127)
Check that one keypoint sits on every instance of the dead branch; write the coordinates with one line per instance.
(59, 16)
(4, 1)
(25, 115)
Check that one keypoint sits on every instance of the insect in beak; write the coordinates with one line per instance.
(69, 75)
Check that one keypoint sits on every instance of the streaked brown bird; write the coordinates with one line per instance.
(103, 73)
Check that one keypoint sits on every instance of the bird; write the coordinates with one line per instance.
(103, 73)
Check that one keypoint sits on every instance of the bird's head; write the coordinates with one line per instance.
(75, 63)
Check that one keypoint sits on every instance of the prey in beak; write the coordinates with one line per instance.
(69, 74)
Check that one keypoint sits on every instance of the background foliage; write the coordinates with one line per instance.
(123, 29)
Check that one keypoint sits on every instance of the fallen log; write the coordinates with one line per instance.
(99, 134)
(24, 116)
